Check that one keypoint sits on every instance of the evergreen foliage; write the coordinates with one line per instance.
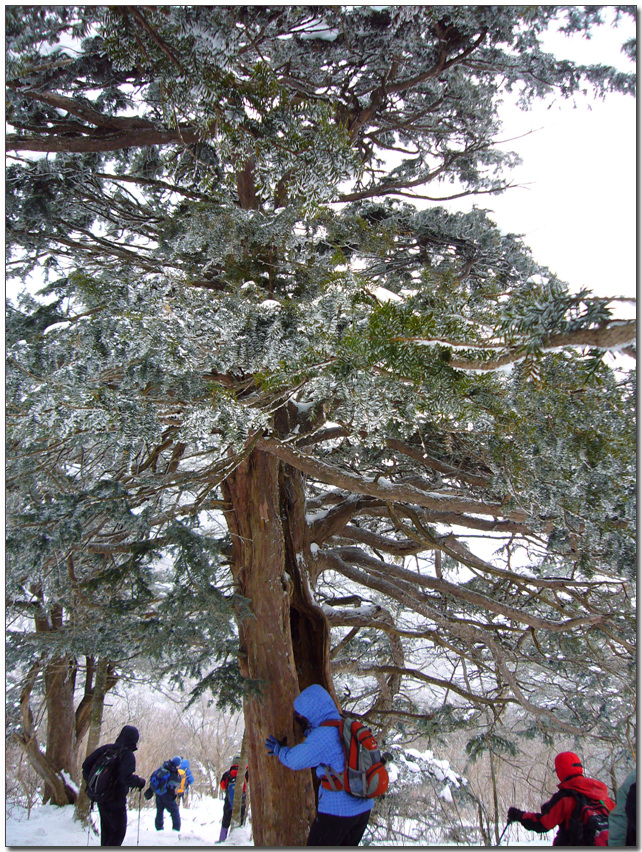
(227, 221)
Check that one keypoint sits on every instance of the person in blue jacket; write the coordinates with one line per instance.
(166, 801)
(187, 779)
(341, 818)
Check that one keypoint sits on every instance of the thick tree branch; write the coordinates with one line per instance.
(405, 547)
(333, 521)
(380, 488)
(468, 633)
(83, 111)
(346, 666)
(610, 336)
(422, 458)
(356, 556)
(140, 18)
(28, 739)
(106, 141)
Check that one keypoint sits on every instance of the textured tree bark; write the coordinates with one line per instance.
(102, 140)
(282, 800)
(59, 792)
(308, 625)
(83, 805)
(284, 645)
(61, 720)
(66, 726)
(240, 784)
(59, 677)
(85, 710)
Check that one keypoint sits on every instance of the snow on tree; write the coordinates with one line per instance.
(339, 416)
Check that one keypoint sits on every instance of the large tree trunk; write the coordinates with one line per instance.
(59, 675)
(98, 692)
(61, 718)
(59, 792)
(283, 644)
(309, 627)
(66, 725)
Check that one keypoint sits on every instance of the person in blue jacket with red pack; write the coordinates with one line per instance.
(341, 818)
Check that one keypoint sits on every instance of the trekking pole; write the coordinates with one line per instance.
(90, 825)
(140, 794)
(502, 834)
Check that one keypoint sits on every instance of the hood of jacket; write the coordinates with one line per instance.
(590, 787)
(128, 737)
(568, 765)
(317, 705)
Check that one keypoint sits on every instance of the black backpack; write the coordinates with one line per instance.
(102, 778)
(589, 822)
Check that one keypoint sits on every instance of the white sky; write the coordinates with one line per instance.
(575, 204)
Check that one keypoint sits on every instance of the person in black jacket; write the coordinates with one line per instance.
(113, 814)
(630, 809)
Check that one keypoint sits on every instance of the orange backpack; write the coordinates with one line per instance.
(181, 787)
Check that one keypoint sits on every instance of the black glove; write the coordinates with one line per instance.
(302, 722)
(514, 815)
(139, 783)
(148, 793)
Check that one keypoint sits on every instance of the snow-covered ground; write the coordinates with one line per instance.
(201, 825)
(52, 826)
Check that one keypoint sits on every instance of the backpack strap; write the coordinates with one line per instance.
(332, 780)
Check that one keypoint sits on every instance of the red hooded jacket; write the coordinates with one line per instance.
(230, 775)
(559, 809)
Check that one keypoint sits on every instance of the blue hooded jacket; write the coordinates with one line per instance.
(322, 746)
(183, 763)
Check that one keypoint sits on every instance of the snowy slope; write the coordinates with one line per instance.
(201, 823)
(52, 826)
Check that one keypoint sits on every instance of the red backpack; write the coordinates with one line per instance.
(365, 775)
(589, 822)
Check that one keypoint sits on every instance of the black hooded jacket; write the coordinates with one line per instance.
(126, 741)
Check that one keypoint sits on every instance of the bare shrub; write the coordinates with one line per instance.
(23, 784)
(206, 736)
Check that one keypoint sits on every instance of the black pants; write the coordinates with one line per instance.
(228, 805)
(330, 830)
(113, 824)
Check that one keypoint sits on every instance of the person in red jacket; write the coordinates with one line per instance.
(560, 808)
(228, 784)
